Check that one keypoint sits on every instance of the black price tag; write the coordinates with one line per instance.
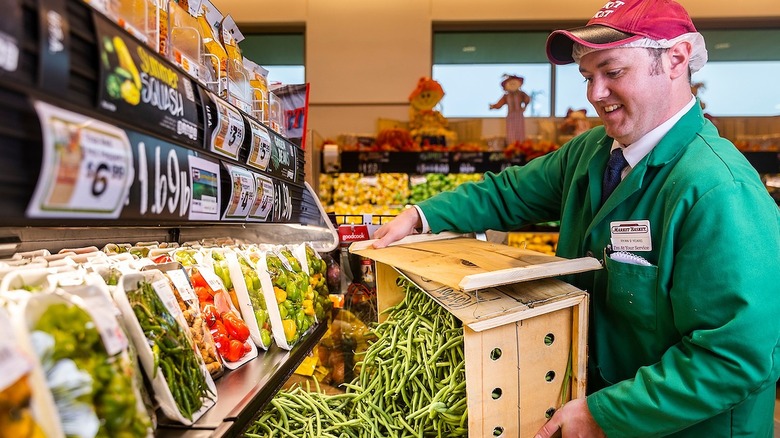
(433, 162)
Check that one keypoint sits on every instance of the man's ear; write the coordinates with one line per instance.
(679, 55)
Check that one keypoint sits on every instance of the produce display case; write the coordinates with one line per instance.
(525, 334)
(87, 164)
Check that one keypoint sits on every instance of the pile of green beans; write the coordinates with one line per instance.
(300, 413)
(411, 383)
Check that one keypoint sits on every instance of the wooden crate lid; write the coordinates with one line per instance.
(496, 306)
(468, 264)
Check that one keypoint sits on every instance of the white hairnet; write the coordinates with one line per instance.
(698, 48)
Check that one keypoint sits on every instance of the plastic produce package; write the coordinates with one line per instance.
(26, 406)
(287, 286)
(84, 355)
(181, 383)
(230, 332)
(190, 308)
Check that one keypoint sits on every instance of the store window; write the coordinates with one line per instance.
(470, 65)
(740, 78)
(282, 54)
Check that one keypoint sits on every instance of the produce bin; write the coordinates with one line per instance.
(525, 333)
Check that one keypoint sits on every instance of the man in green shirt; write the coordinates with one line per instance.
(685, 317)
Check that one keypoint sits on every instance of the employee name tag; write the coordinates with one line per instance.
(630, 236)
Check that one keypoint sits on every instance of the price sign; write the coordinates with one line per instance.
(228, 134)
(284, 160)
(242, 194)
(211, 278)
(164, 291)
(103, 315)
(13, 364)
(264, 199)
(87, 167)
(179, 279)
(432, 168)
(433, 162)
(260, 152)
(369, 167)
(466, 168)
(371, 163)
(468, 162)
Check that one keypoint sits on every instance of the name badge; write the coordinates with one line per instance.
(630, 236)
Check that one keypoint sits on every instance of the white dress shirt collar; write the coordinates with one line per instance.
(640, 148)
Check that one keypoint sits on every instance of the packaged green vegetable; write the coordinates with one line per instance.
(293, 315)
(180, 381)
(87, 365)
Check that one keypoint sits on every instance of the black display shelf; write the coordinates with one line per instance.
(417, 163)
(764, 162)
(244, 392)
(425, 162)
(64, 64)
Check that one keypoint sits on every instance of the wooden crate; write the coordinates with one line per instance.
(523, 331)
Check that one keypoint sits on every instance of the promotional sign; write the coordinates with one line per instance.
(295, 100)
(87, 167)
(225, 125)
(137, 84)
(264, 199)
(260, 146)
(283, 158)
(205, 189)
(242, 192)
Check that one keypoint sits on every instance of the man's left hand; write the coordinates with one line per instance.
(573, 420)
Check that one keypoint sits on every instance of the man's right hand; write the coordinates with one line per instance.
(401, 226)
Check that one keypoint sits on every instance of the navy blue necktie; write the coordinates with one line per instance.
(617, 162)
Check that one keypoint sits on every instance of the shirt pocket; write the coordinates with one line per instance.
(631, 292)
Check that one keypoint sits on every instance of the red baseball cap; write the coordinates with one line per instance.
(620, 22)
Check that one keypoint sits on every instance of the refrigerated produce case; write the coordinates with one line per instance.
(88, 162)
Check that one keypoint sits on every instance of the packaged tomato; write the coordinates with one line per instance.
(224, 321)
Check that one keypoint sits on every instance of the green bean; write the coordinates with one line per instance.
(410, 382)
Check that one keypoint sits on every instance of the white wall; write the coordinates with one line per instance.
(363, 58)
